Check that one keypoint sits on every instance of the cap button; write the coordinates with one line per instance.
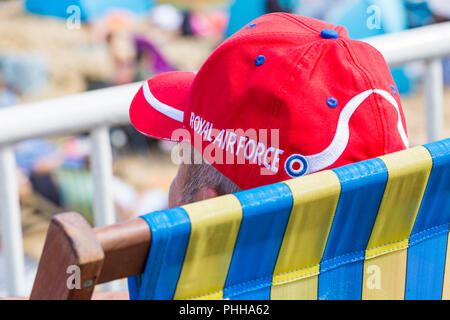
(329, 34)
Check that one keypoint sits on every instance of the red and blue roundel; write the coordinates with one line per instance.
(296, 166)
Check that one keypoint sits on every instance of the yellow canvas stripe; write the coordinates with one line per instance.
(315, 200)
(214, 227)
(211, 296)
(408, 173)
(303, 289)
(446, 288)
(385, 276)
(387, 248)
(295, 275)
(386, 253)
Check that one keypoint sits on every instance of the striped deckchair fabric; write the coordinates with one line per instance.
(376, 229)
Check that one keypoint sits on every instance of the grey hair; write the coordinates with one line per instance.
(201, 174)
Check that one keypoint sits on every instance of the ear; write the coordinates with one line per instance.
(206, 193)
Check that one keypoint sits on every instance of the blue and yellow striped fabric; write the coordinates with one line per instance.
(377, 229)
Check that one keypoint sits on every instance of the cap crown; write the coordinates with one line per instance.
(330, 99)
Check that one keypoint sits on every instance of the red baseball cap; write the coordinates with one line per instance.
(283, 97)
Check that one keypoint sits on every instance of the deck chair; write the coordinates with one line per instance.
(377, 229)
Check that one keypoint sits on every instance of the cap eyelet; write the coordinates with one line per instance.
(329, 34)
(260, 60)
(332, 102)
(250, 26)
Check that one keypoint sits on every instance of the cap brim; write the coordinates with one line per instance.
(157, 109)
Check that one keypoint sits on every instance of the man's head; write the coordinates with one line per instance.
(283, 97)
(197, 180)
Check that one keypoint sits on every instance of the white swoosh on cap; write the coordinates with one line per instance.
(332, 153)
(169, 111)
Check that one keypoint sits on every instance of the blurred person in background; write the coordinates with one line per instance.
(9, 98)
(243, 11)
(38, 159)
(424, 12)
(7, 95)
(440, 9)
(135, 58)
(25, 74)
(441, 13)
(134, 55)
(149, 60)
(124, 56)
(186, 28)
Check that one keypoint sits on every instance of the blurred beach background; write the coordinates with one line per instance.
(55, 48)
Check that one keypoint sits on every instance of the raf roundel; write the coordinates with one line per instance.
(296, 166)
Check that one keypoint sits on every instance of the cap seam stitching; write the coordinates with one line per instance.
(381, 112)
(244, 37)
(275, 105)
(368, 82)
(291, 72)
(297, 22)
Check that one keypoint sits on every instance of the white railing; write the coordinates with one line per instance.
(429, 44)
(94, 112)
(97, 111)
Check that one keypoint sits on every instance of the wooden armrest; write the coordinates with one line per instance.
(126, 247)
(101, 254)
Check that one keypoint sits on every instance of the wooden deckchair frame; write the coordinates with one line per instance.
(102, 254)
